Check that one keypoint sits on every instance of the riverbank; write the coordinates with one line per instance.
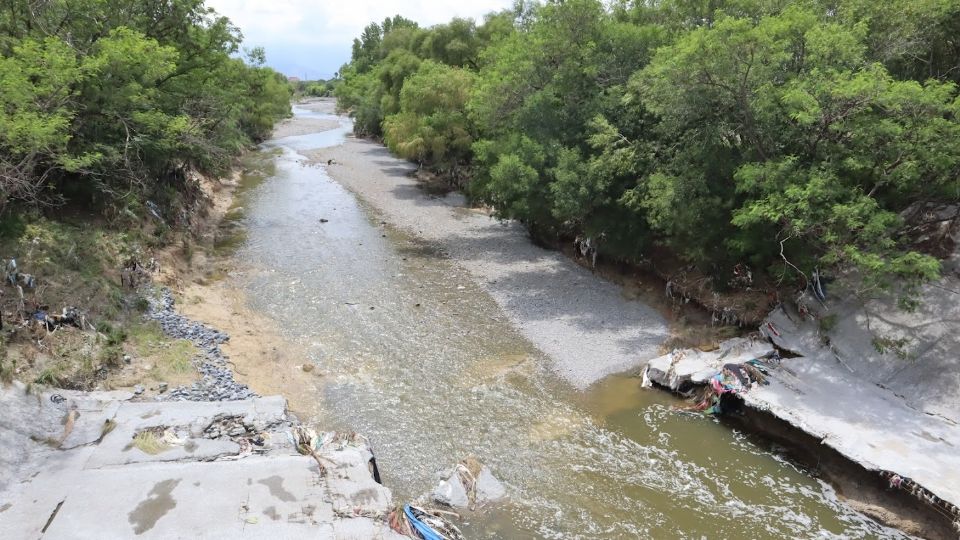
(885, 459)
(196, 454)
(259, 356)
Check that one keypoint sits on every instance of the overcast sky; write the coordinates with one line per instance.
(311, 38)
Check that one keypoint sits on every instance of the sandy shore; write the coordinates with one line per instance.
(582, 322)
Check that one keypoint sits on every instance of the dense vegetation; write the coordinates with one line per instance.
(318, 88)
(109, 102)
(779, 134)
(106, 108)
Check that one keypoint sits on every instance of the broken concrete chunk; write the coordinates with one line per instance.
(692, 366)
(451, 492)
(489, 489)
(467, 485)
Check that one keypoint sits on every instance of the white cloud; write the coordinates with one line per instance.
(313, 38)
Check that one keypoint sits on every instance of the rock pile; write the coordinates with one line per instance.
(217, 382)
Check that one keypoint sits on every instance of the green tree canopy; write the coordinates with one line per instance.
(781, 134)
(110, 100)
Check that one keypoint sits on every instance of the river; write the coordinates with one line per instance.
(418, 357)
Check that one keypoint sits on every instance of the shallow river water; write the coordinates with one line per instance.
(417, 357)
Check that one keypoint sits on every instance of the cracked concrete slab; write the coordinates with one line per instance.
(35, 424)
(351, 492)
(276, 497)
(913, 353)
(100, 490)
(191, 418)
(836, 392)
(824, 397)
(865, 423)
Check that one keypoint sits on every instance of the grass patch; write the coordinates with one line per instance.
(150, 441)
(141, 304)
(172, 359)
(76, 262)
(108, 426)
(8, 366)
(7, 370)
(50, 376)
(828, 323)
(72, 359)
(898, 347)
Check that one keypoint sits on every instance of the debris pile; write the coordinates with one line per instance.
(943, 507)
(134, 273)
(684, 370)
(467, 485)
(311, 443)
(425, 523)
(69, 316)
(33, 315)
(731, 381)
(15, 277)
(234, 426)
(715, 379)
(743, 302)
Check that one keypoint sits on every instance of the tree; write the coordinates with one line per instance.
(35, 116)
(791, 135)
(431, 126)
(111, 100)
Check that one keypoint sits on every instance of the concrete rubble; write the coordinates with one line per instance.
(679, 369)
(823, 394)
(182, 481)
(209, 461)
(891, 412)
(468, 485)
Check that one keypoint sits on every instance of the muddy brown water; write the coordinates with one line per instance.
(417, 357)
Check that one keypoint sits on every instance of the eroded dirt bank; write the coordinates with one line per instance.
(862, 489)
(197, 272)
